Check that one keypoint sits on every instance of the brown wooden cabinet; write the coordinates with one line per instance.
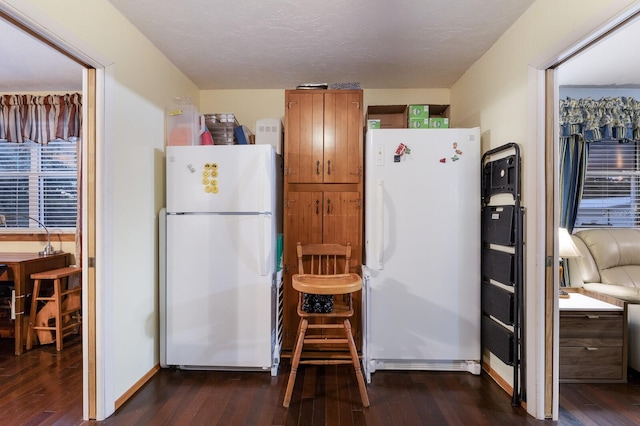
(593, 338)
(323, 182)
(323, 137)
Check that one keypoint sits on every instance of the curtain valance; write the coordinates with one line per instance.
(607, 118)
(40, 118)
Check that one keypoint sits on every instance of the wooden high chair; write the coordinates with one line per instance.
(324, 278)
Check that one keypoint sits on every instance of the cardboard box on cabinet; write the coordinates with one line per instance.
(439, 111)
(373, 124)
(418, 123)
(438, 123)
(390, 116)
(418, 111)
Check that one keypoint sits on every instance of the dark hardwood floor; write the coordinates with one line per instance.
(43, 387)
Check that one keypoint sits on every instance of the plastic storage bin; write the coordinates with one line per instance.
(222, 127)
(182, 124)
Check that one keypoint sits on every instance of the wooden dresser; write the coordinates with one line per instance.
(593, 338)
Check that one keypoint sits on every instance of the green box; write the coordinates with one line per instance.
(438, 123)
(418, 111)
(279, 250)
(373, 124)
(418, 123)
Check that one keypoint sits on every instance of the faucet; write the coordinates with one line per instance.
(48, 250)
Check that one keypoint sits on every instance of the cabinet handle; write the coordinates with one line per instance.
(593, 316)
(318, 167)
(328, 206)
(590, 348)
(329, 167)
(317, 207)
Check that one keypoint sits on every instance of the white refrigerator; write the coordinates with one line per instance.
(422, 250)
(220, 285)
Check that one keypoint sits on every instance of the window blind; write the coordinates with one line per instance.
(611, 191)
(39, 182)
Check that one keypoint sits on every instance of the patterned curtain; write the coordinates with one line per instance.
(583, 121)
(40, 118)
(594, 120)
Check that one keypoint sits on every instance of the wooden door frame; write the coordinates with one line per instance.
(88, 220)
(550, 247)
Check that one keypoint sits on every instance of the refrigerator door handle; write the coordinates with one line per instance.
(264, 193)
(265, 227)
(380, 224)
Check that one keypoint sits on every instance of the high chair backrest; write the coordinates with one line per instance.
(324, 259)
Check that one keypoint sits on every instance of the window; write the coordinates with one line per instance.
(39, 182)
(611, 195)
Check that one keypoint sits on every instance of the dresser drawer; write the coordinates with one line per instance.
(577, 373)
(586, 356)
(591, 363)
(591, 329)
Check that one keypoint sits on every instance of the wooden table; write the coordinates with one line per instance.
(19, 268)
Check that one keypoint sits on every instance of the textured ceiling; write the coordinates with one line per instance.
(281, 43)
(274, 44)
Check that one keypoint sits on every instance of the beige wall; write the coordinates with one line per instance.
(251, 105)
(37, 246)
(501, 93)
(140, 83)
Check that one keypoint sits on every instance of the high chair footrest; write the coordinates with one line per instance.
(321, 340)
(326, 361)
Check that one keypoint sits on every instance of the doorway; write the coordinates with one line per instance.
(590, 69)
(53, 61)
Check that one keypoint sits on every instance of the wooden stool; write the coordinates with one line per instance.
(61, 293)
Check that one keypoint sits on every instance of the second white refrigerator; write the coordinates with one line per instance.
(422, 250)
(219, 300)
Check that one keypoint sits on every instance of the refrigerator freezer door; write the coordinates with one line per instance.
(221, 178)
(423, 244)
(218, 296)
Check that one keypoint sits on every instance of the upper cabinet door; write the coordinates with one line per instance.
(323, 137)
(304, 134)
(342, 137)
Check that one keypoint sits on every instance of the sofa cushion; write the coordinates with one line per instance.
(628, 294)
(582, 269)
(616, 253)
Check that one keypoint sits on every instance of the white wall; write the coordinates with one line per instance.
(141, 82)
(500, 93)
